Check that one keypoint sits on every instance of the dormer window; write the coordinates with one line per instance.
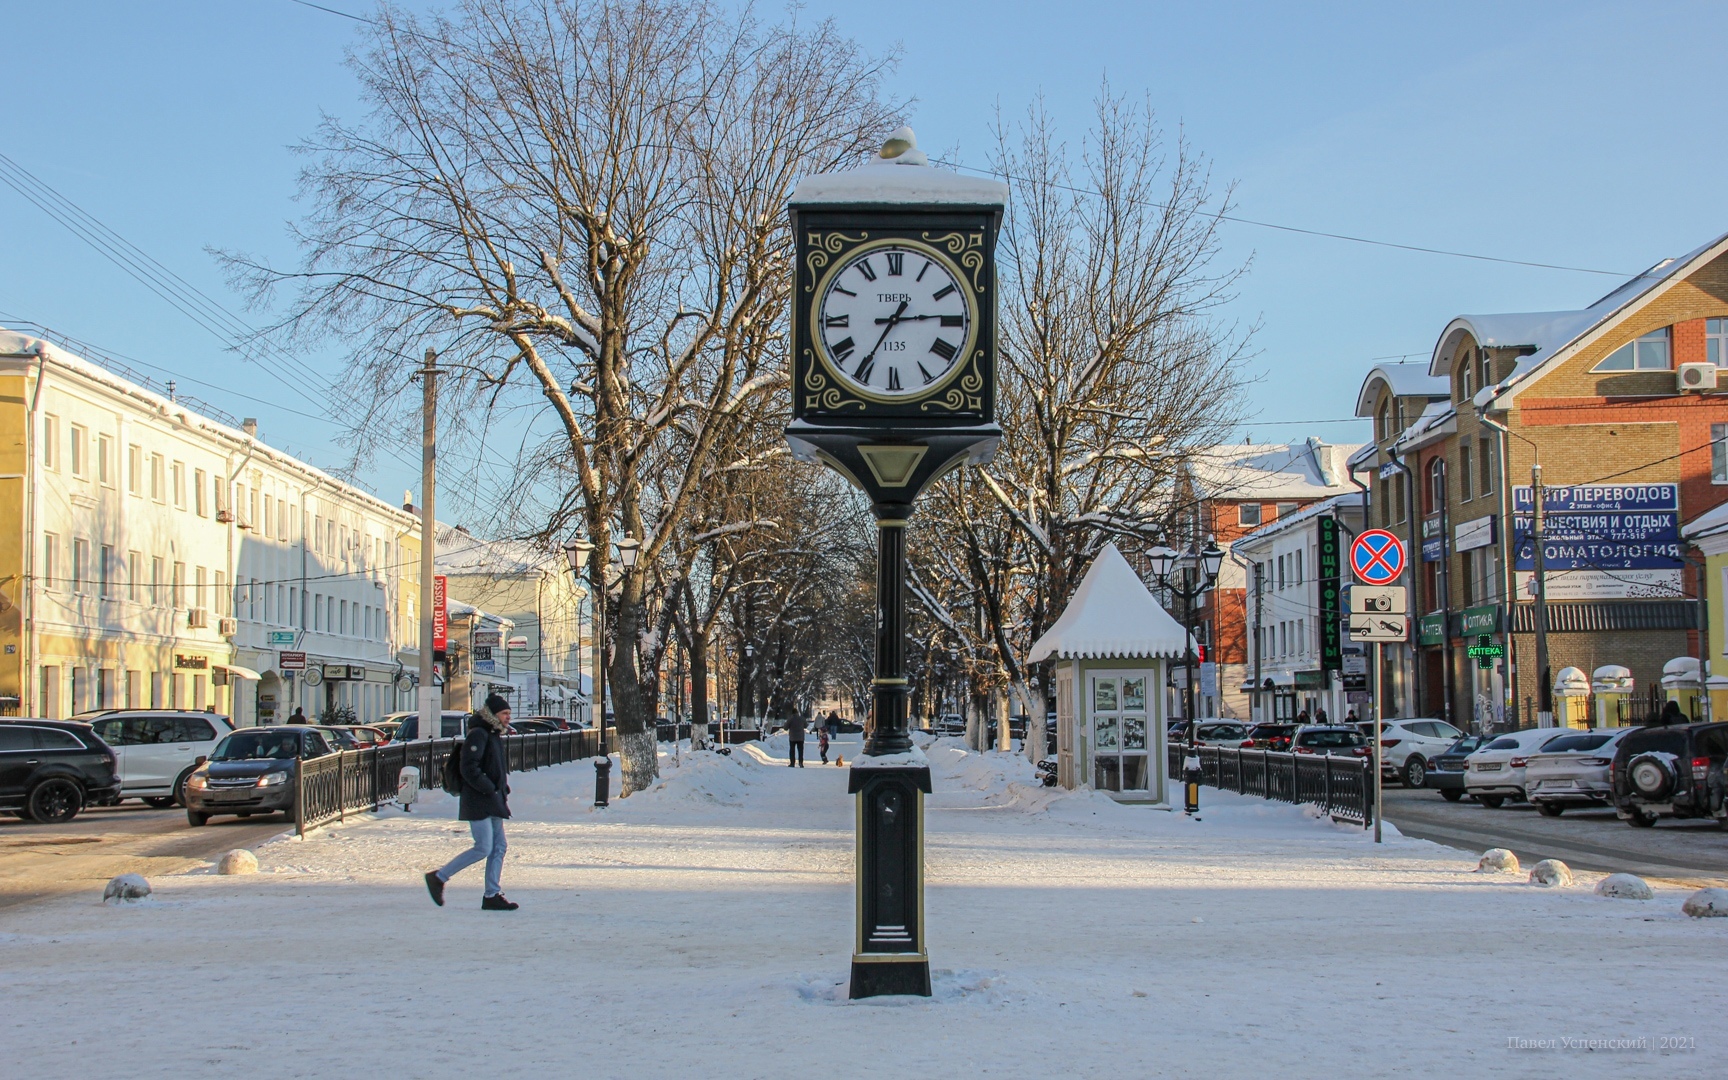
(1716, 341)
(1648, 353)
(1385, 423)
(1485, 370)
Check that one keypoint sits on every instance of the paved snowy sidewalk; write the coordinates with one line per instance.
(703, 929)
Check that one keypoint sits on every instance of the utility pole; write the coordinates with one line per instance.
(1545, 680)
(1259, 602)
(429, 704)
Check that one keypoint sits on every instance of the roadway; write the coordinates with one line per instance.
(1683, 851)
(41, 861)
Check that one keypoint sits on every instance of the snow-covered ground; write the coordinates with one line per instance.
(703, 929)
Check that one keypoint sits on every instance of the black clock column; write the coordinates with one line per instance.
(892, 438)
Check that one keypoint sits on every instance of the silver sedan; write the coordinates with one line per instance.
(1573, 771)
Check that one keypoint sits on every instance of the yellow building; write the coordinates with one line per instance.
(152, 556)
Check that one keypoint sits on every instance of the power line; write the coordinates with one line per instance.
(1305, 232)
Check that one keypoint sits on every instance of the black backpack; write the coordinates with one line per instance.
(451, 780)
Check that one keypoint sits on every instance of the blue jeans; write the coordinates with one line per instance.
(489, 845)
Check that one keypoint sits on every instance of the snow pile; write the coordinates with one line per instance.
(1624, 887)
(1707, 903)
(1551, 873)
(1497, 861)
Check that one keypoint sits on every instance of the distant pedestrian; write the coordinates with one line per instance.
(822, 743)
(1671, 715)
(1320, 716)
(1350, 717)
(795, 742)
(299, 716)
(833, 724)
(483, 805)
(1302, 717)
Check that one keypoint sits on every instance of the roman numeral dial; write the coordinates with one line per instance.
(894, 320)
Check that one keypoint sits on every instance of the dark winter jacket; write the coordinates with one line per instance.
(484, 767)
(795, 729)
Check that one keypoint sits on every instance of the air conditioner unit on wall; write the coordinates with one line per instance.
(1696, 377)
(224, 516)
(197, 618)
(229, 627)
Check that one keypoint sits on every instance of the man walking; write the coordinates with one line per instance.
(795, 742)
(483, 804)
(299, 716)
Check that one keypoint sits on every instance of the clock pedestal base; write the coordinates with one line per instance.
(889, 956)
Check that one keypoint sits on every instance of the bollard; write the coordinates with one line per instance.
(602, 780)
(1191, 782)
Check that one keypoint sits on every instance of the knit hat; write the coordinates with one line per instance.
(496, 704)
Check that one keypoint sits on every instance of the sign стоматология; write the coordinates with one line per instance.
(1601, 541)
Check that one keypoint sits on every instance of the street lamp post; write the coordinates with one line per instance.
(1208, 562)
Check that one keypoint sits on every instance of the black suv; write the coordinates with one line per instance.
(1674, 771)
(51, 769)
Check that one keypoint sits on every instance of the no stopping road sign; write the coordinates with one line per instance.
(1377, 557)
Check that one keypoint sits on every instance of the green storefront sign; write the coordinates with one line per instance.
(1310, 680)
(1331, 627)
(1431, 629)
(1475, 621)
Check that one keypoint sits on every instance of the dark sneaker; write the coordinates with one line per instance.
(497, 903)
(435, 886)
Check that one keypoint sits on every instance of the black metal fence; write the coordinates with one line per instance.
(352, 781)
(1343, 786)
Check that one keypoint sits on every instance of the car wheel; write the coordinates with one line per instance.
(1550, 809)
(55, 800)
(1492, 802)
(1415, 771)
(195, 819)
(160, 802)
(1640, 820)
(245, 813)
(1451, 794)
(180, 786)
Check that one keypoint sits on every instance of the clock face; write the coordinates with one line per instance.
(895, 321)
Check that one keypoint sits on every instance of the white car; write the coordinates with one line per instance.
(158, 748)
(1573, 770)
(1495, 773)
(1406, 746)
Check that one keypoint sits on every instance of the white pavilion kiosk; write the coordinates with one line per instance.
(1112, 647)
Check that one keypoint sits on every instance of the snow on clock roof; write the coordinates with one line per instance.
(1112, 614)
(900, 176)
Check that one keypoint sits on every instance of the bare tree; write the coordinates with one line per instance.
(582, 207)
(1114, 368)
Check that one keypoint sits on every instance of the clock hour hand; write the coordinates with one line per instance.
(908, 318)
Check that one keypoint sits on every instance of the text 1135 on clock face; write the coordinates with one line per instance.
(895, 321)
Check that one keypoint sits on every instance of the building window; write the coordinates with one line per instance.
(105, 460)
(134, 574)
(50, 560)
(50, 442)
(76, 457)
(179, 475)
(1719, 453)
(80, 564)
(158, 475)
(200, 507)
(1484, 371)
(200, 582)
(1465, 476)
(1485, 462)
(1436, 485)
(1716, 341)
(1301, 637)
(135, 469)
(1298, 574)
(179, 584)
(1287, 508)
(156, 579)
(1648, 353)
(1383, 423)
(1464, 379)
(1247, 513)
(104, 575)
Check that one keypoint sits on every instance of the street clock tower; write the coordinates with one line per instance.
(893, 385)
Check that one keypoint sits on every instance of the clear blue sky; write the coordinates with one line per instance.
(1581, 134)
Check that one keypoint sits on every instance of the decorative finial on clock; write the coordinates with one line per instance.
(902, 149)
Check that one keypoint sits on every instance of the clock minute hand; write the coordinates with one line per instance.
(891, 320)
(908, 318)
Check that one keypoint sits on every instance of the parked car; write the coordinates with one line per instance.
(1573, 771)
(1335, 740)
(252, 772)
(947, 724)
(530, 726)
(1016, 728)
(51, 769)
(387, 726)
(1670, 772)
(452, 724)
(352, 736)
(1446, 770)
(558, 723)
(1272, 736)
(1406, 745)
(1231, 733)
(1496, 770)
(158, 748)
